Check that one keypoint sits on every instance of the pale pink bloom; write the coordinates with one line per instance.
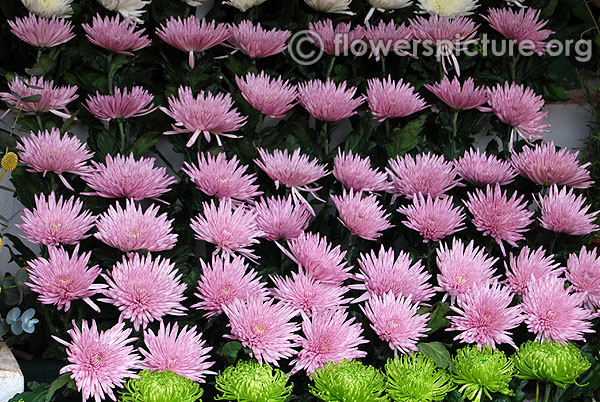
(362, 215)
(356, 173)
(484, 316)
(583, 272)
(123, 176)
(100, 361)
(271, 96)
(48, 151)
(383, 38)
(255, 41)
(281, 218)
(482, 169)
(433, 218)
(396, 321)
(54, 222)
(222, 178)
(132, 229)
(233, 229)
(60, 278)
(224, 280)
(182, 352)
(192, 35)
(545, 165)
(263, 327)
(496, 215)
(42, 32)
(523, 26)
(529, 266)
(204, 114)
(329, 336)
(327, 100)
(334, 41)
(553, 313)
(389, 99)
(457, 96)
(116, 35)
(564, 212)
(122, 105)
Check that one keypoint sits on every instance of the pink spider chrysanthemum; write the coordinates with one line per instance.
(396, 321)
(528, 266)
(130, 228)
(145, 289)
(116, 35)
(327, 100)
(385, 36)
(222, 178)
(553, 313)
(482, 169)
(356, 173)
(123, 176)
(389, 99)
(433, 218)
(122, 105)
(281, 218)
(263, 327)
(48, 151)
(545, 165)
(523, 26)
(329, 336)
(182, 352)
(255, 41)
(42, 32)
(203, 114)
(60, 278)
(192, 35)
(362, 215)
(504, 219)
(54, 222)
(224, 280)
(100, 361)
(459, 96)
(583, 272)
(273, 97)
(334, 41)
(564, 212)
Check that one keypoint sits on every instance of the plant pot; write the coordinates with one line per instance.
(12, 381)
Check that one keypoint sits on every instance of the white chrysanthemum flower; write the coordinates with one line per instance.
(390, 4)
(132, 9)
(515, 3)
(194, 3)
(243, 5)
(331, 6)
(448, 8)
(49, 8)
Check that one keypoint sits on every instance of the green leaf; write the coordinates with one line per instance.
(230, 350)
(436, 351)
(56, 385)
(42, 392)
(406, 138)
(32, 98)
(7, 140)
(144, 143)
(438, 319)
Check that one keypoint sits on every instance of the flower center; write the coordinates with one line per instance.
(96, 360)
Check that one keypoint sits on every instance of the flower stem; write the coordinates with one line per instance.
(454, 134)
(260, 123)
(122, 132)
(547, 392)
(38, 56)
(325, 135)
(513, 67)
(387, 128)
(383, 64)
(537, 391)
(330, 69)
(110, 74)
(351, 239)
(38, 119)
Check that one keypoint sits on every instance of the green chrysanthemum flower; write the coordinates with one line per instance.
(249, 381)
(161, 386)
(349, 381)
(482, 372)
(416, 379)
(550, 362)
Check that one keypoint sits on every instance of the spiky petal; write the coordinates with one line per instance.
(564, 212)
(273, 97)
(116, 35)
(327, 100)
(362, 216)
(482, 169)
(281, 218)
(255, 41)
(523, 26)
(124, 104)
(583, 272)
(389, 99)
(434, 219)
(356, 173)
(528, 266)
(42, 32)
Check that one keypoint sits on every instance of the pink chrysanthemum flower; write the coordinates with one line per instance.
(329, 336)
(61, 278)
(484, 316)
(42, 32)
(389, 99)
(48, 151)
(583, 272)
(457, 96)
(384, 37)
(224, 280)
(327, 100)
(396, 321)
(362, 215)
(334, 41)
(496, 215)
(116, 35)
(100, 361)
(545, 165)
(482, 169)
(427, 174)
(462, 267)
(192, 35)
(281, 218)
(263, 327)
(433, 218)
(123, 176)
(553, 313)
(132, 229)
(231, 229)
(52, 99)
(222, 178)
(319, 258)
(256, 42)
(356, 173)
(54, 222)
(564, 212)
(529, 266)
(182, 352)
(204, 114)
(271, 96)
(523, 26)
(121, 105)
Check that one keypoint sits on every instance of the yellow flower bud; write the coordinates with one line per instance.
(9, 161)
